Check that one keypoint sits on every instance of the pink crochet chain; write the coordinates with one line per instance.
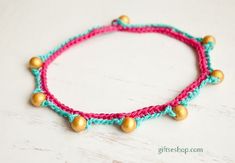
(139, 115)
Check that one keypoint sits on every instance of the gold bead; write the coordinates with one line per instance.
(38, 98)
(125, 19)
(181, 112)
(79, 124)
(218, 74)
(208, 39)
(128, 124)
(35, 62)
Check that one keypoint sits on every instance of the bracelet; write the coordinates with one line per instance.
(175, 108)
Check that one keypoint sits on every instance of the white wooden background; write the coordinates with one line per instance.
(113, 73)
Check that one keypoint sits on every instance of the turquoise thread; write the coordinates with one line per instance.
(36, 73)
(208, 47)
(104, 121)
(59, 111)
(213, 80)
(168, 110)
(158, 25)
(196, 91)
(46, 56)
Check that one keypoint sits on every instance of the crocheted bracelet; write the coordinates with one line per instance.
(175, 108)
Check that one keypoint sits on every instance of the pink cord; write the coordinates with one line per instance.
(144, 111)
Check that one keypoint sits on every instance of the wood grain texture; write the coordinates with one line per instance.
(114, 73)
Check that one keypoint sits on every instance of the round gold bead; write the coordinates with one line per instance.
(125, 19)
(208, 39)
(128, 124)
(181, 112)
(35, 62)
(38, 98)
(79, 124)
(218, 74)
